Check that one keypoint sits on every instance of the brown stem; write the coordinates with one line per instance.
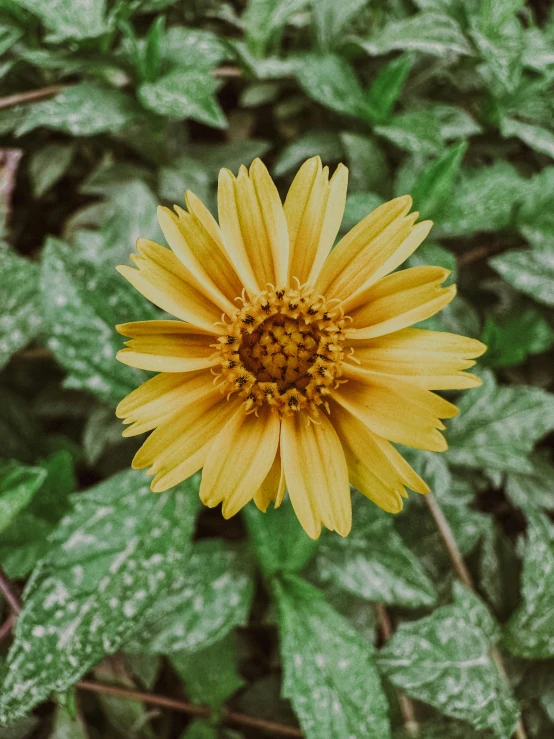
(463, 573)
(31, 96)
(227, 716)
(480, 252)
(7, 590)
(407, 708)
(7, 626)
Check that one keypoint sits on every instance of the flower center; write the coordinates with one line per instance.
(284, 348)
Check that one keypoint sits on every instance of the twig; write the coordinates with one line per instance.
(7, 626)
(9, 594)
(480, 252)
(31, 96)
(34, 96)
(407, 708)
(226, 716)
(463, 573)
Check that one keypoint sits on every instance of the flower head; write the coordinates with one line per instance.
(290, 365)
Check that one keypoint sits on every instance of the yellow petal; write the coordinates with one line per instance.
(314, 208)
(272, 489)
(399, 300)
(197, 252)
(170, 352)
(394, 409)
(274, 220)
(316, 474)
(162, 397)
(415, 237)
(179, 446)
(137, 329)
(365, 248)
(253, 227)
(370, 471)
(429, 359)
(240, 459)
(163, 280)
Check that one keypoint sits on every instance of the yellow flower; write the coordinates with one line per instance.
(290, 365)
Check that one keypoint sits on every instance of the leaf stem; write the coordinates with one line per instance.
(226, 716)
(7, 590)
(7, 626)
(463, 573)
(407, 708)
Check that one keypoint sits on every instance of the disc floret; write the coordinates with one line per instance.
(283, 348)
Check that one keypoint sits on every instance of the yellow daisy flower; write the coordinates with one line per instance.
(290, 365)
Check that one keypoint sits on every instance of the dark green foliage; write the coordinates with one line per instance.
(448, 100)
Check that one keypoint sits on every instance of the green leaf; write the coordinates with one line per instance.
(535, 216)
(110, 561)
(530, 631)
(429, 33)
(281, 544)
(184, 173)
(326, 144)
(20, 316)
(264, 21)
(102, 430)
(416, 131)
(443, 660)
(331, 20)
(536, 137)
(192, 48)
(48, 165)
(454, 123)
(208, 598)
(132, 214)
(82, 304)
(70, 19)
(529, 270)
(484, 201)
(126, 717)
(434, 186)
(373, 563)
(498, 426)
(185, 93)
(520, 334)
(9, 34)
(66, 726)
(329, 673)
(230, 155)
(330, 81)
(152, 48)
(21, 729)
(368, 169)
(81, 110)
(501, 47)
(386, 88)
(18, 485)
(25, 541)
(455, 495)
(533, 488)
(210, 675)
(200, 728)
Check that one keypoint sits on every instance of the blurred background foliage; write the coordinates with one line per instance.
(108, 108)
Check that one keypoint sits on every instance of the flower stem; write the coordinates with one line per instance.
(463, 573)
(407, 708)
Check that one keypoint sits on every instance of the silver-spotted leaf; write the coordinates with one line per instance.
(372, 562)
(208, 598)
(444, 660)
(329, 671)
(111, 559)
